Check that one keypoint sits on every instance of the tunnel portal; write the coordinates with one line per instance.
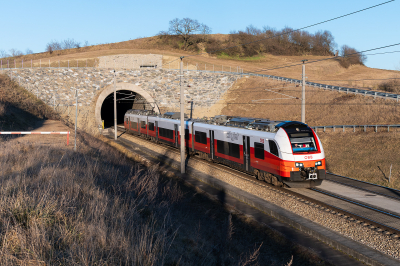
(125, 100)
(129, 96)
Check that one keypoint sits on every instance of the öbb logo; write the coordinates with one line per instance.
(308, 157)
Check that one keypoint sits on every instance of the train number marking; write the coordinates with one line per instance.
(308, 157)
(261, 140)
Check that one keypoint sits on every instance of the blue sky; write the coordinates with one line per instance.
(32, 24)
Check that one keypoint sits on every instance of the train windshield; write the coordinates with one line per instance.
(302, 142)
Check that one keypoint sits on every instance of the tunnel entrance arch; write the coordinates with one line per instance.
(129, 96)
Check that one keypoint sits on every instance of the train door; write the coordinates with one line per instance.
(212, 144)
(246, 152)
(156, 129)
(176, 135)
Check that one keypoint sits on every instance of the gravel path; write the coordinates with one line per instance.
(340, 224)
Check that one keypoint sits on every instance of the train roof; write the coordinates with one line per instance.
(249, 123)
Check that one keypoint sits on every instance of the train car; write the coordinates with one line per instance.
(278, 152)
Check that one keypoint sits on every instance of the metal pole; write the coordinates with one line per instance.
(191, 109)
(303, 94)
(182, 131)
(115, 108)
(76, 115)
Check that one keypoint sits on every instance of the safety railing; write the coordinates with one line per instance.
(353, 127)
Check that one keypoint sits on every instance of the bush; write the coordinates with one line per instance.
(390, 86)
(350, 56)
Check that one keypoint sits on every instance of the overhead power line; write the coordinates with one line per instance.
(319, 60)
(288, 32)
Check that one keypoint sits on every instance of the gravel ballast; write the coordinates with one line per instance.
(340, 224)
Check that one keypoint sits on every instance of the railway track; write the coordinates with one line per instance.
(376, 218)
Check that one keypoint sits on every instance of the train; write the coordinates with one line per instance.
(282, 153)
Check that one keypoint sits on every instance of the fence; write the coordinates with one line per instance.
(200, 67)
(343, 127)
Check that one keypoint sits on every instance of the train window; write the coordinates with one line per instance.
(234, 150)
(259, 150)
(228, 148)
(166, 133)
(151, 126)
(134, 125)
(223, 147)
(143, 124)
(273, 148)
(200, 137)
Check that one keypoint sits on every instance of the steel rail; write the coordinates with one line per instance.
(371, 185)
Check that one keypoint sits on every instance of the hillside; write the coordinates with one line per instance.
(327, 72)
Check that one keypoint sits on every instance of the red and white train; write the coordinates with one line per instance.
(279, 152)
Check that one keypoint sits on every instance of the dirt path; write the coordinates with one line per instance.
(52, 139)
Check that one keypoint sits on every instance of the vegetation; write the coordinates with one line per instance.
(391, 85)
(350, 56)
(184, 31)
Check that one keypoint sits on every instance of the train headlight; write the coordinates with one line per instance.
(319, 163)
(299, 165)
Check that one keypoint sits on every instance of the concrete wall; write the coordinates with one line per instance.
(130, 61)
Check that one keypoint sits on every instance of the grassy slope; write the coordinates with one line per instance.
(19, 109)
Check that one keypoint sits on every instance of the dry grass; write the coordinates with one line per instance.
(364, 156)
(264, 98)
(19, 109)
(97, 207)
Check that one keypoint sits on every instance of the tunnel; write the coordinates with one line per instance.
(129, 96)
(124, 103)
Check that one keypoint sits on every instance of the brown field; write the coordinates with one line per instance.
(364, 156)
(264, 98)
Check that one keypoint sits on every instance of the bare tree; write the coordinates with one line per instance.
(252, 30)
(69, 44)
(350, 56)
(186, 28)
(3, 54)
(28, 51)
(53, 46)
(86, 44)
(15, 52)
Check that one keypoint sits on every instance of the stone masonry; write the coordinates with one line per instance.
(56, 86)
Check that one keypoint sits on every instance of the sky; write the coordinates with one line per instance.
(31, 24)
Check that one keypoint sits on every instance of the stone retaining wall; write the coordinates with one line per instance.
(56, 86)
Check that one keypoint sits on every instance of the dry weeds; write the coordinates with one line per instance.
(97, 207)
(264, 98)
(364, 155)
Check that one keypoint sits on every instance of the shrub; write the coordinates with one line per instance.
(350, 56)
(390, 86)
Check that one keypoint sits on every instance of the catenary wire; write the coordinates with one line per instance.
(277, 35)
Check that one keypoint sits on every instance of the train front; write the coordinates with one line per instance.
(303, 163)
